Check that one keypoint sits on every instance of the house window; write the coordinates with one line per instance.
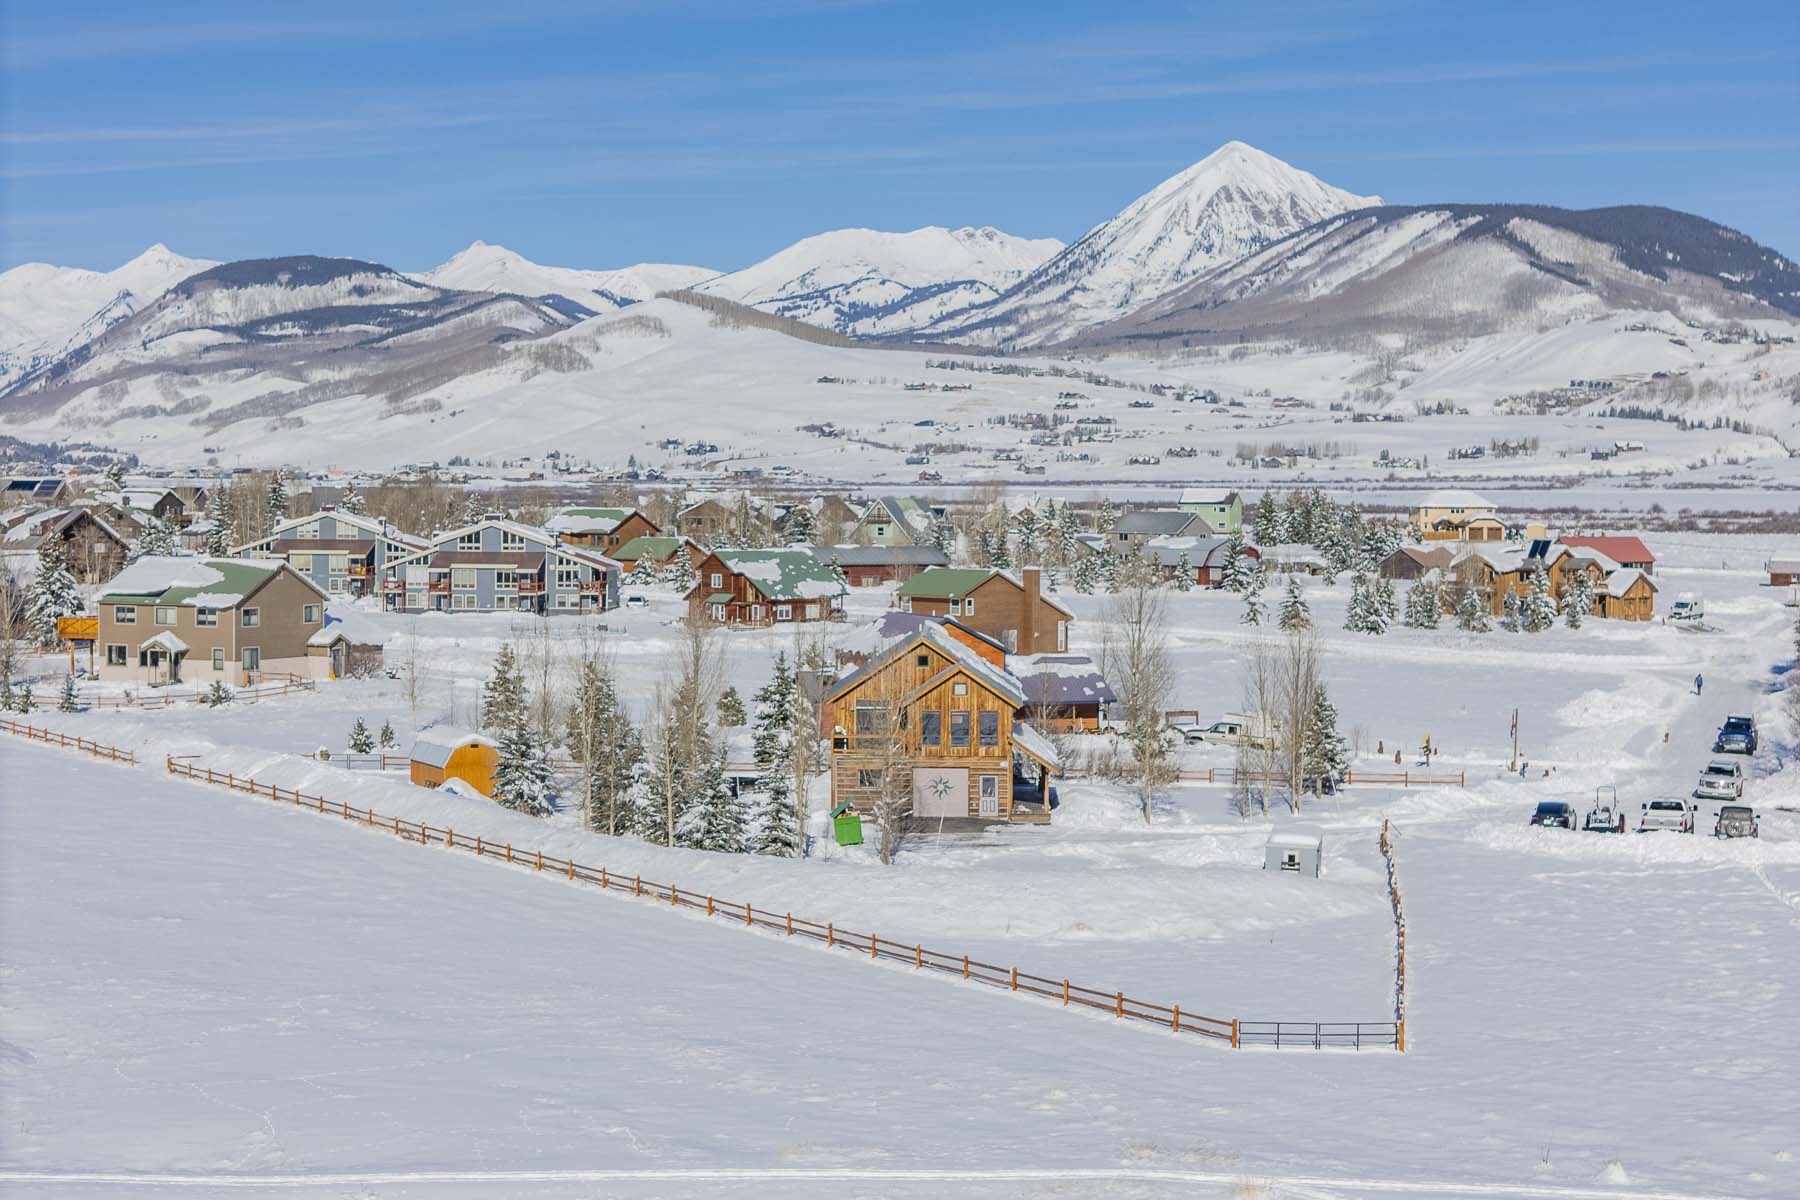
(718, 580)
(959, 688)
(165, 614)
(252, 659)
(931, 728)
(218, 658)
(923, 660)
(871, 719)
(990, 729)
(955, 607)
(784, 612)
(718, 612)
(115, 655)
(959, 729)
(512, 541)
(969, 607)
(1062, 636)
(462, 600)
(506, 581)
(906, 604)
(124, 614)
(990, 796)
(568, 577)
(462, 579)
(310, 614)
(867, 778)
(756, 612)
(469, 541)
(252, 618)
(206, 618)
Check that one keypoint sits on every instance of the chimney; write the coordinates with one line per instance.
(1028, 623)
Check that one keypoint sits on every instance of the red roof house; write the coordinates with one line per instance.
(1626, 551)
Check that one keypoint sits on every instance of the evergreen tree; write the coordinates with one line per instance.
(1325, 756)
(503, 696)
(642, 573)
(23, 702)
(943, 536)
(679, 574)
(1578, 600)
(218, 522)
(799, 529)
(1472, 612)
(1184, 573)
(1253, 601)
(474, 508)
(1424, 605)
(1086, 576)
(352, 500)
(731, 709)
(1385, 605)
(1509, 611)
(777, 821)
(774, 715)
(115, 474)
(278, 499)
(52, 593)
(1537, 612)
(218, 694)
(1265, 523)
(68, 701)
(600, 730)
(1294, 612)
(361, 741)
(386, 739)
(1030, 536)
(1002, 557)
(1107, 516)
(713, 819)
(523, 781)
(158, 539)
(1364, 614)
(1238, 565)
(1336, 548)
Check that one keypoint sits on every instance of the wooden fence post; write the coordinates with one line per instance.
(830, 934)
(540, 860)
(1119, 1007)
(1234, 1033)
(918, 957)
(790, 924)
(747, 914)
(637, 885)
(1015, 979)
(1178, 1018)
(965, 966)
(1065, 993)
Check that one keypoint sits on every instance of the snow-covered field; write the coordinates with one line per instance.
(203, 992)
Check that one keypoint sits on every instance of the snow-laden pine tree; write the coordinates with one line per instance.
(1086, 576)
(1184, 573)
(218, 522)
(361, 740)
(523, 781)
(68, 700)
(158, 540)
(1265, 522)
(1237, 566)
(1363, 614)
(773, 714)
(713, 819)
(799, 529)
(1537, 612)
(731, 709)
(474, 508)
(1336, 547)
(1106, 516)
(503, 695)
(1029, 532)
(278, 500)
(1385, 605)
(352, 500)
(1509, 612)
(23, 701)
(777, 823)
(1424, 605)
(1472, 612)
(1578, 600)
(679, 574)
(52, 593)
(115, 474)
(642, 574)
(1254, 609)
(218, 695)
(1294, 612)
(1325, 753)
(386, 739)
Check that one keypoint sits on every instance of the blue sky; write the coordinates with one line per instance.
(714, 132)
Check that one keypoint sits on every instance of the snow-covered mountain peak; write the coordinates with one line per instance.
(485, 267)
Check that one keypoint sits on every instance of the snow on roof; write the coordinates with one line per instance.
(1456, 498)
(893, 625)
(186, 579)
(348, 623)
(434, 746)
(165, 640)
(1298, 837)
(588, 520)
(964, 656)
(1168, 551)
(1782, 566)
(1621, 581)
(1198, 495)
(881, 556)
(1060, 679)
(1159, 521)
(1036, 745)
(784, 574)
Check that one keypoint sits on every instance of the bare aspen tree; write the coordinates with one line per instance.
(1296, 689)
(806, 748)
(1134, 657)
(892, 731)
(1256, 755)
(409, 670)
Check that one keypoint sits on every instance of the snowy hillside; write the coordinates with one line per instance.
(46, 310)
(485, 268)
(1231, 203)
(865, 282)
(1448, 271)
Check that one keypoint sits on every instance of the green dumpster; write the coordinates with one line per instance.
(846, 822)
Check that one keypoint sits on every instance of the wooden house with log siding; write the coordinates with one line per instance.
(947, 719)
(765, 587)
(602, 529)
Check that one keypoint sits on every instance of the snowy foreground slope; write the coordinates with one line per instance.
(235, 994)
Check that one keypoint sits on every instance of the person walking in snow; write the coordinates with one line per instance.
(1697, 682)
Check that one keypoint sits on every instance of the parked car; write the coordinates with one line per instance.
(1674, 814)
(637, 601)
(1736, 821)
(1556, 814)
(1606, 816)
(1736, 736)
(1690, 607)
(1721, 780)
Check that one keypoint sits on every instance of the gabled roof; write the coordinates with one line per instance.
(1000, 682)
(1200, 495)
(1456, 498)
(194, 582)
(653, 546)
(1035, 745)
(894, 625)
(164, 640)
(949, 582)
(1620, 548)
(434, 746)
(908, 512)
(1200, 552)
(1061, 679)
(1624, 579)
(30, 529)
(588, 520)
(786, 574)
(1161, 522)
(43, 487)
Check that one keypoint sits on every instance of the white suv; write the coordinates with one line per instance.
(1721, 781)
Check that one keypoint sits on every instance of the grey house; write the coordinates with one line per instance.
(344, 553)
(1140, 525)
(496, 565)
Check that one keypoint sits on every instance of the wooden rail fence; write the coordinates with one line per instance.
(867, 945)
(51, 737)
(158, 698)
(1228, 776)
(1393, 875)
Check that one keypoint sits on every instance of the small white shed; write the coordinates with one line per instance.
(1296, 850)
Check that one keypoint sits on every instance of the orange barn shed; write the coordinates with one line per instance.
(441, 753)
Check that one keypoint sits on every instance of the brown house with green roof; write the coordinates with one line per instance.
(1012, 609)
(765, 587)
(175, 619)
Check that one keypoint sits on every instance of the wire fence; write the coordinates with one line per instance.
(52, 738)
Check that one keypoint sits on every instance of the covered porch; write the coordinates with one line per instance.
(1035, 763)
(161, 657)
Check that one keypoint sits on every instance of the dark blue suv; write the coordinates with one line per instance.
(1736, 736)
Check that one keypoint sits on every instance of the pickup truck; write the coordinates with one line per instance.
(1676, 815)
(1736, 736)
(1721, 781)
(1234, 730)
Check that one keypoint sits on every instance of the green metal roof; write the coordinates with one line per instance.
(952, 582)
(719, 598)
(240, 578)
(648, 546)
(785, 574)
